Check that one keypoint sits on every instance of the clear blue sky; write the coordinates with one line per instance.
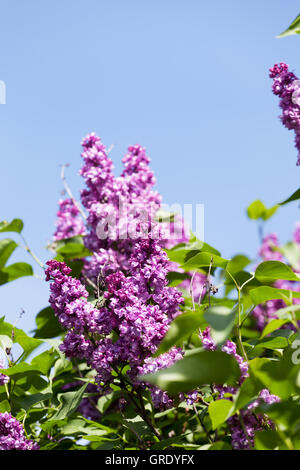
(187, 79)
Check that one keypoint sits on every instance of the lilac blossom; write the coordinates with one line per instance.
(286, 87)
(12, 435)
(69, 222)
(138, 305)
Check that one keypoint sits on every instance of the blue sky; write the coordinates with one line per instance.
(186, 79)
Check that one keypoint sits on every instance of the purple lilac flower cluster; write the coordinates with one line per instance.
(69, 222)
(243, 426)
(137, 305)
(269, 251)
(286, 86)
(12, 435)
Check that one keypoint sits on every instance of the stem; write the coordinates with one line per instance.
(202, 424)
(30, 252)
(238, 326)
(69, 192)
(208, 280)
(191, 290)
(139, 408)
(260, 232)
(6, 390)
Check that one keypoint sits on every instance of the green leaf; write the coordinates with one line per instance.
(19, 336)
(279, 376)
(16, 225)
(270, 212)
(14, 271)
(28, 401)
(4, 406)
(237, 264)
(291, 251)
(69, 402)
(167, 443)
(274, 325)
(294, 197)
(277, 342)
(7, 247)
(220, 445)
(270, 271)
(138, 426)
(47, 324)
(83, 426)
(71, 248)
(257, 210)
(262, 294)
(182, 252)
(176, 278)
(194, 370)
(294, 28)
(164, 216)
(248, 392)
(204, 259)
(266, 440)
(219, 411)
(221, 319)
(180, 329)
(44, 361)
(20, 370)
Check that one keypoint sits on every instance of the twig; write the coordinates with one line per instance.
(202, 424)
(69, 192)
(28, 249)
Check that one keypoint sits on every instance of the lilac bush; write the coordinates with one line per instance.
(152, 339)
